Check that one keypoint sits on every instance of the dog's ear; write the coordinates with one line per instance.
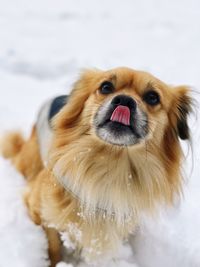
(182, 106)
(76, 102)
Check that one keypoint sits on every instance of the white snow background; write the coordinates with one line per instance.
(43, 46)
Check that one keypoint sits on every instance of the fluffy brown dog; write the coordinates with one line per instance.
(98, 159)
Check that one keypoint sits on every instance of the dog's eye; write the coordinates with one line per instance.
(106, 88)
(152, 98)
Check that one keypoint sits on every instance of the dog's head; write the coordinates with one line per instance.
(124, 107)
(121, 127)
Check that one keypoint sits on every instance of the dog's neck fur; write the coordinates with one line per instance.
(114, 182)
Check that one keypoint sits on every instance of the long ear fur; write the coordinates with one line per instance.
(182, 106)
(80, 93)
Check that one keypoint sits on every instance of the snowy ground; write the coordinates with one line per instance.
(44, 43)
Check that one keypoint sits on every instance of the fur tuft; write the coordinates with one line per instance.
(11, 144)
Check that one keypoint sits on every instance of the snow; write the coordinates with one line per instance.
(22, 242)
(44, 44)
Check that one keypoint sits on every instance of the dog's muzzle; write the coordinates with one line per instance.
(120, 121)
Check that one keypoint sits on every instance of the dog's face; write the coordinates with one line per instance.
(132, 121)
(120, 120)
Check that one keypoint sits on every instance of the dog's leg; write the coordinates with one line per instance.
(54, 245)
(33, 198)
(32, 201)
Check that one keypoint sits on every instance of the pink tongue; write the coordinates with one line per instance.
(121, 114)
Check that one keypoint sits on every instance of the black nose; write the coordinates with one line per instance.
(124, 100)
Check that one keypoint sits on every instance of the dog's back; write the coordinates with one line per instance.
(29, 156)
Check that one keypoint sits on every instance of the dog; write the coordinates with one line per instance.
(102, 156)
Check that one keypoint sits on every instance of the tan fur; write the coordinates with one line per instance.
(11, 144)
(126, 181)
